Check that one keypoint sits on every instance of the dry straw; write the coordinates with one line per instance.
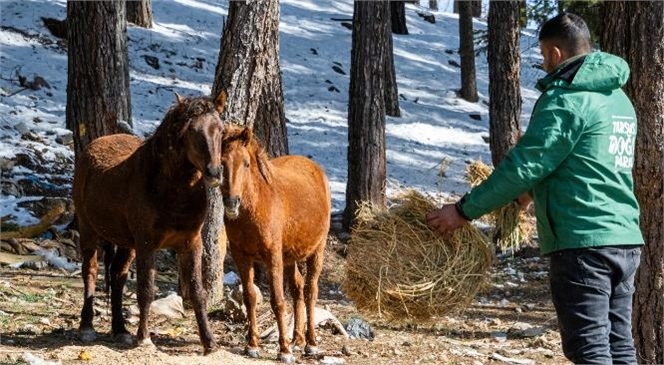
(512, 227)
(398, 268)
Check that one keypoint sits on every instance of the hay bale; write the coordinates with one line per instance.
(398, 268)
(511, 224)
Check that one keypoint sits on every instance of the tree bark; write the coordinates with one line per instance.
(504, 57)
(476, 8)
(366, 108)
(391, 88)
(398, 15)
(248, 70)
(635, 31)
(139, 12)
(98, 94)
(467, 52)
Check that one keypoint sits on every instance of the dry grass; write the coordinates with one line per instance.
(511, 225)
(398, 268)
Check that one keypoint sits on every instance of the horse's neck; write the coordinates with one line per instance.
(259, 192)
(171, 172)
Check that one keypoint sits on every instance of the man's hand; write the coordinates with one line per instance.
(445, 220)
(524, 201)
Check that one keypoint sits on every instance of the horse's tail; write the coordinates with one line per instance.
(109, 255)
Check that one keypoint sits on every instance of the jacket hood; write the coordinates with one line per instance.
(597, 71)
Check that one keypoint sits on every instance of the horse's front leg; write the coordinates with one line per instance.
(145, 289)
(192, 259)
(276, 272)
(245, 267)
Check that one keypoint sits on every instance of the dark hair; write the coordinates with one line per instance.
(569, 31)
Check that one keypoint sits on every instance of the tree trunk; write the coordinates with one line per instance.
(248, 70)
(391, 88)
(433, 5)
(214, 251)
(467, 52)
(398, 15)
(635, 31)
(504, 57)
(98, 94)
(477, 8)
(366, 108)
(139, 12)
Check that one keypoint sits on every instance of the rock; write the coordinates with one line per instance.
(330, 360)
(66, 138)
(169, 307)
(231, 278)
(22, 128)
(322, 317)
(236, 294)
(454, 63)
(235, 311)
(152, 61)
(338, 70)
(525, 330)
(475, 116)
(346, 350)
(358, 328)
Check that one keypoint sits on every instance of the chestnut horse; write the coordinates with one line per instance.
(277, 212)
(141, 196)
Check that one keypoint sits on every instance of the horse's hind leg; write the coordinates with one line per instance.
(314, 268)
(118, 274)
(296, 286)
(88, 243)
(192, 259)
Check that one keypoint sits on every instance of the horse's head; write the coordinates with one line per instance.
(201, 136)
(236, 159)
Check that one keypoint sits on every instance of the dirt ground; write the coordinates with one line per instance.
(512, 322)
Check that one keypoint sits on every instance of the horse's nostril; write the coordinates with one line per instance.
(213, 171)
(232, 202)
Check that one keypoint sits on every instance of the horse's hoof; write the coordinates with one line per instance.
(252, 352)
(311, 350)
(209, 349)
(295, 348)
(286, 358)
(87, 335)
(123, 338)
(146, 342)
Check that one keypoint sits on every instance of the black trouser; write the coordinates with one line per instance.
(592, 292)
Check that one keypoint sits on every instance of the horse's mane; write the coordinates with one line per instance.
(165, 143)
(233, 132)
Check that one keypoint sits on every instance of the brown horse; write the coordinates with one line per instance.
(143, 196)
(277, 212)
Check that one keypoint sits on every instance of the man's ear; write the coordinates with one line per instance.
(246, 135)
(558, 55)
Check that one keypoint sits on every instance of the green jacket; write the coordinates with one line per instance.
(575, 159)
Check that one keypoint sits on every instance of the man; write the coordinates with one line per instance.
(575, 159)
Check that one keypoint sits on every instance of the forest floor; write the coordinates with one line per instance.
(512, 322)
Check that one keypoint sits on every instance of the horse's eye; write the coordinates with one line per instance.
(246, 164)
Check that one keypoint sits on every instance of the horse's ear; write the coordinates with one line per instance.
(246, 135)
(179, 98)
(221, 102)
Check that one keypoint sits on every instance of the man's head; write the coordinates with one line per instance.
(564, 36)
